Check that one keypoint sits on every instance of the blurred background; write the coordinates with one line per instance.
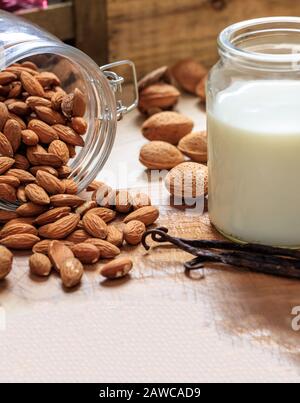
(152, 33)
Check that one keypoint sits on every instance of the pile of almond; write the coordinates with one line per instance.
(172, 143)
(40, 127)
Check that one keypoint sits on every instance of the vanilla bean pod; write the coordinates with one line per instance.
(256, 258)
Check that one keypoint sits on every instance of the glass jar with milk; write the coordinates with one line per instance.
(254, 132)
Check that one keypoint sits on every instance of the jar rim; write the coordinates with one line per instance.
(243, 30)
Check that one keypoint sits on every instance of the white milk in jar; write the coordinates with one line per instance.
(254, 161)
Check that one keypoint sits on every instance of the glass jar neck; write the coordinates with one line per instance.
(271, 44)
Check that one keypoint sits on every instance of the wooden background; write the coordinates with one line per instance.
(152, 32)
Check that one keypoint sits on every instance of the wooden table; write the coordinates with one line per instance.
(159, 325)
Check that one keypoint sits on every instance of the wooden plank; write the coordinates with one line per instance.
(58, 19)
(161, 32)
(91, 28)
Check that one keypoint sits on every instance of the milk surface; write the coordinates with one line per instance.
(254, 162)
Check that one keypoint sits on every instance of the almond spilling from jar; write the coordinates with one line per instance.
(20, 241)
(167, 126)
(117, 269)
(95, 226)
(60, 229)
(160, 155)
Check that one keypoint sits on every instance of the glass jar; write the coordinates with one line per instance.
(254, 132)
(21, 40)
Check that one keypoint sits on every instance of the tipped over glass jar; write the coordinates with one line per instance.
(254, 132)
(21, 41)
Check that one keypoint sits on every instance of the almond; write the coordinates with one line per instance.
(6, 260)
(157, 98)
(30, 65)
(61, 228)
(71, 187)
(19, 220)
(8, 193)
(44, 168)
(59, 252)
(86, 253)
(30, 154)
(188, 180)
(23, 176)
(31, 85)
(123, 201)
(71, 272)
(10, 180)
(72, 151)
(79, 125)
(159, 75)
(52, 216)
(43, 246)
(30, 210)
(6, 216)
(33, 102)
(37, 195)
(49, 116)
(17, 229)
(7, 77)
(194, 145)
(30, 138)
(167, 126)
(115, 236)
(78, 236)
(6, 149)
(17, 119)
(95, 226)
(56, 100)
(64, 172)
(48, 159)
(67, 105)
(140, 200)
(5, 164)
(160, 155)
(134, 231)
(19, 108)
(20, 242)
(79, 104)
(105, 214)
(117, 268)
(95, 185)
(13, 133)
(85, 207)
(3, 115)
(40, 265)
(21, 162)
(47, 79)
(50, 183)
(107, 250)
(21, 194)
(68, 135)
(64, 200)
(45, 132)
(188, 73)
(60, 149)
(147, 215)
(15, 89)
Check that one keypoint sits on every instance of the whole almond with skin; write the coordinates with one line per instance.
(7, 77)
(107, 215)
(56, 100)
(29, 138)
(20, 242)
(19, 220)
(19, 108)
(188, 73)
(6, 260)
(43, 246)
(33, 102)
(61, 228)
(37, 195)
(48, 159)
(71, 187)
(160, 155)
(85, 207)
(86, 253)
(30, 65)
(194, 145)
(64, 172)
(72, 150)
(123, 201)
(64, 200)
(52, 216)
(40, 265)
(5, 164)
(10, 180)
(78, 236)
(3, 115)
(18, 70)
(95, 226)
(147, 215)
(71, 272)
(167, 126)
(13, 133)
(44, 168)
(31, 151)
(49, 116)
(115, 236)
(6, 216)
(8, 193)
(17, 229)
(188, 180)
(60, 149)
(15, 90)
(47, 79)
(17, 119)
(140, 200)
(134, 231)
(6, 149)
(58, 253)
(79, 125)
(107, 250)
(21, 194)
(21, 162)
(30, 210)
(79, 104)
(45, 132)
(95, 185)
(50, 183)
(68, 135)
(117, 269)
(67, 105)
(157, 98)
(31, 85)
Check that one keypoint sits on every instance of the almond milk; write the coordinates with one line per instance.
(254, 162)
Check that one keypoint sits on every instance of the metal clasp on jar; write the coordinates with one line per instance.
(116, 83)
